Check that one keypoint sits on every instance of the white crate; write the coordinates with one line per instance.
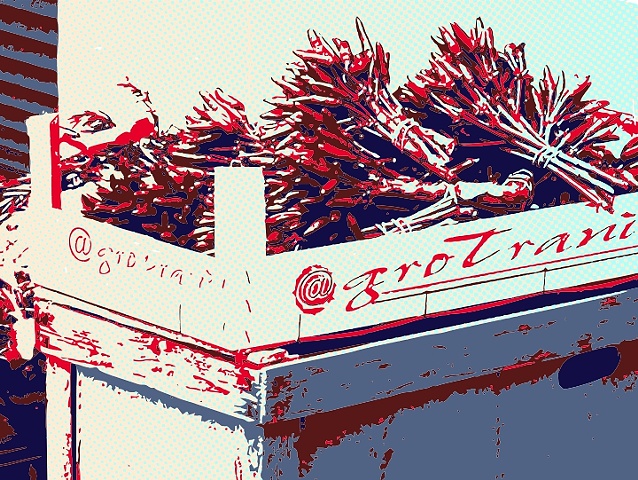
(243, 299)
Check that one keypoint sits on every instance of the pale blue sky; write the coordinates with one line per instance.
(174, 51)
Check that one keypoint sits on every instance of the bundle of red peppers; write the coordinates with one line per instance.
(344, 158)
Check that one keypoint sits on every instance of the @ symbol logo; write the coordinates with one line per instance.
(80, 244)
(314, 287)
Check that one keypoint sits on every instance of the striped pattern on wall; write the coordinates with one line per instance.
(28, 77)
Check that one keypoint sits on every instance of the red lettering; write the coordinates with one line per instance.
(589, 235)
(105, 268)
(436, 258)
(518, 246)
(624, 235)
(559, 240)
(484, 237)
(369, 290)
(405, 268)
